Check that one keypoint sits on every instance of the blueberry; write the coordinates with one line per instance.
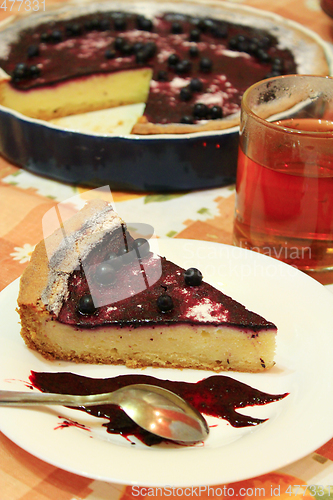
(45, 37)
(105, 274)
(164, 303)
(187, 120)
(176, 28)
(193, 277)
(110, 54)
(183, 67)
(141, 246)
(120, 23)
(193, 51)
(206, 64)
(21, 71)
(277, 64)
(146, 53)
(173, 59)
(144, 24)
(119, 42)
(220, 31)
(216, 112)
(127, 255)
(162, 76)
(196, 85)
(92, 24)
(104, 24)
(200, 111)
(115, 260)
(263, 56)
(33, 51)
(185, 94)
(73, 29)
(126, 49)
(194, 35)
(137, 47)
(86, 305)
(56, 36)
(141, 56)
(34, 71)
(150, 49)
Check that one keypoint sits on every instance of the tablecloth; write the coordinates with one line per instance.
(205, 215)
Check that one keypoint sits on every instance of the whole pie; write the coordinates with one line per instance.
(92, 293)
(189, 62)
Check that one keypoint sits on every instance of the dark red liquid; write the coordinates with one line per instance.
(285, 202)
(218, 396)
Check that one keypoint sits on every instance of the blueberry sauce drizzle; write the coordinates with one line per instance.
(217, 396)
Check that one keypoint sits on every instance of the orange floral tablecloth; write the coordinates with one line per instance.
(206, 215)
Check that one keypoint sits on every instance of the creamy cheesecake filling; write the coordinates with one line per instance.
(79, 95)
(211, 348)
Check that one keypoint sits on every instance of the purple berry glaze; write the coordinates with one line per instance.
(234, 68)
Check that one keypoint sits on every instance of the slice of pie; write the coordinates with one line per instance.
(190, 62)
(92, 293)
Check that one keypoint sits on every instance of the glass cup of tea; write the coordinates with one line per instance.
(284, 187)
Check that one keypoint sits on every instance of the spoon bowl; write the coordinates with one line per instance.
(153, 408)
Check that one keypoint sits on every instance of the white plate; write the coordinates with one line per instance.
(303, 311)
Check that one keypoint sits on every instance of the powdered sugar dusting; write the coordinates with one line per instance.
(207, 311)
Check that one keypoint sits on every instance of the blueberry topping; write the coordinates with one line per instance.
(56, 36)
(120, 23)
(119, 42)
(263, 56)
(127, 255)
(193, 277)
(33, 51)
(104, 24)
(185, 94)
(126, 48)
(194, 35)
(164, 303)
(110, 54)
(141, 246)
(277, 64)
(173, 59)
(187, 120)
(200, 111)
(34, 71)
(150, 48)
(193, 51)
(138, 46)
(115, 260)
(92, 24)
(45, 37)
(196, 85)
(73, 29)
(176, 28)
(162, 76)
(220, 31)
(146, 52)
(86, 305)
(206, 64)
(183, 67)
(216, 112)
(105, 274)
(21, 71)
(144, 24)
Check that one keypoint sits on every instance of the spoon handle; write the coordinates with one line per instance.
(15, 398)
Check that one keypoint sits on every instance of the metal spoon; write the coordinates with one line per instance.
(154, 409)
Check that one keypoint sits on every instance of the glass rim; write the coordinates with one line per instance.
(273, 125)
